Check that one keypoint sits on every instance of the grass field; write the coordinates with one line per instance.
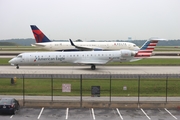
(148, 87)
(20, 48)
(166, 48)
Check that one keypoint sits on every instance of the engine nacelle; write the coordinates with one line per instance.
(127, 53)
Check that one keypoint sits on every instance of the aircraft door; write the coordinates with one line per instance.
(107, 45)
(50, 47)
(19, 58)
(22, 60)
(129, 46)
(25, 58)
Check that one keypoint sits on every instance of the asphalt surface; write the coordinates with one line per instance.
(86, 70)
(93, 114)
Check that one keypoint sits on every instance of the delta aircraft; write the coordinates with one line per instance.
(91, 58)
(43, 42)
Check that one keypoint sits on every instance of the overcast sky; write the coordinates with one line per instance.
(91, 19)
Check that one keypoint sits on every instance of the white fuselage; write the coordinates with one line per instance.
(79, 57)
(66, 46)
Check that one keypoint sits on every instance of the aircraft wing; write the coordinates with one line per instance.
(85, 48)
(35, 44)
(96, 62)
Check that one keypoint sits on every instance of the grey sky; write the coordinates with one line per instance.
(91, 19)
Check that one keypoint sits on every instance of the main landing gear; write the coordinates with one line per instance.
(17, 66)
(93, 67)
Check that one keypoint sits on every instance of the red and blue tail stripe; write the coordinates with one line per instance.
(147, 49)
(39, 35)
(149, 45)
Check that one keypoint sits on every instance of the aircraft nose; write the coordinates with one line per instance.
(12, 61)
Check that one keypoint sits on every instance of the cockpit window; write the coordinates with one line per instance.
(19, 56)
(134, 45)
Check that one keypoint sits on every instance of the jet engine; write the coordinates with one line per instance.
(127, 53)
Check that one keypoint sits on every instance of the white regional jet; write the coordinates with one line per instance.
(92, 58)
(43, 42)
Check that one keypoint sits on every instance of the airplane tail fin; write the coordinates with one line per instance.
(39, 35)
(147, 48)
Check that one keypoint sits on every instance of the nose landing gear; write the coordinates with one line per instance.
(93, 67)
(17, 66)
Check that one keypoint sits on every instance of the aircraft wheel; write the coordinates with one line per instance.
(17, 67)
(93, 67)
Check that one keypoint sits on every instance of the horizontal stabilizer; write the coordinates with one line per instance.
(40, 45)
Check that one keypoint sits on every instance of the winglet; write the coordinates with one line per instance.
(147, 48)
(71, 42)
(38, 34)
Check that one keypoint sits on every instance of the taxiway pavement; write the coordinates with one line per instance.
(86, 70)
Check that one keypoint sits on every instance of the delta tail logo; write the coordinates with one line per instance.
(38, 35)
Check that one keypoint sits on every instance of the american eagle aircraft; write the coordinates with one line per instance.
(43, 42)
(91, 58)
